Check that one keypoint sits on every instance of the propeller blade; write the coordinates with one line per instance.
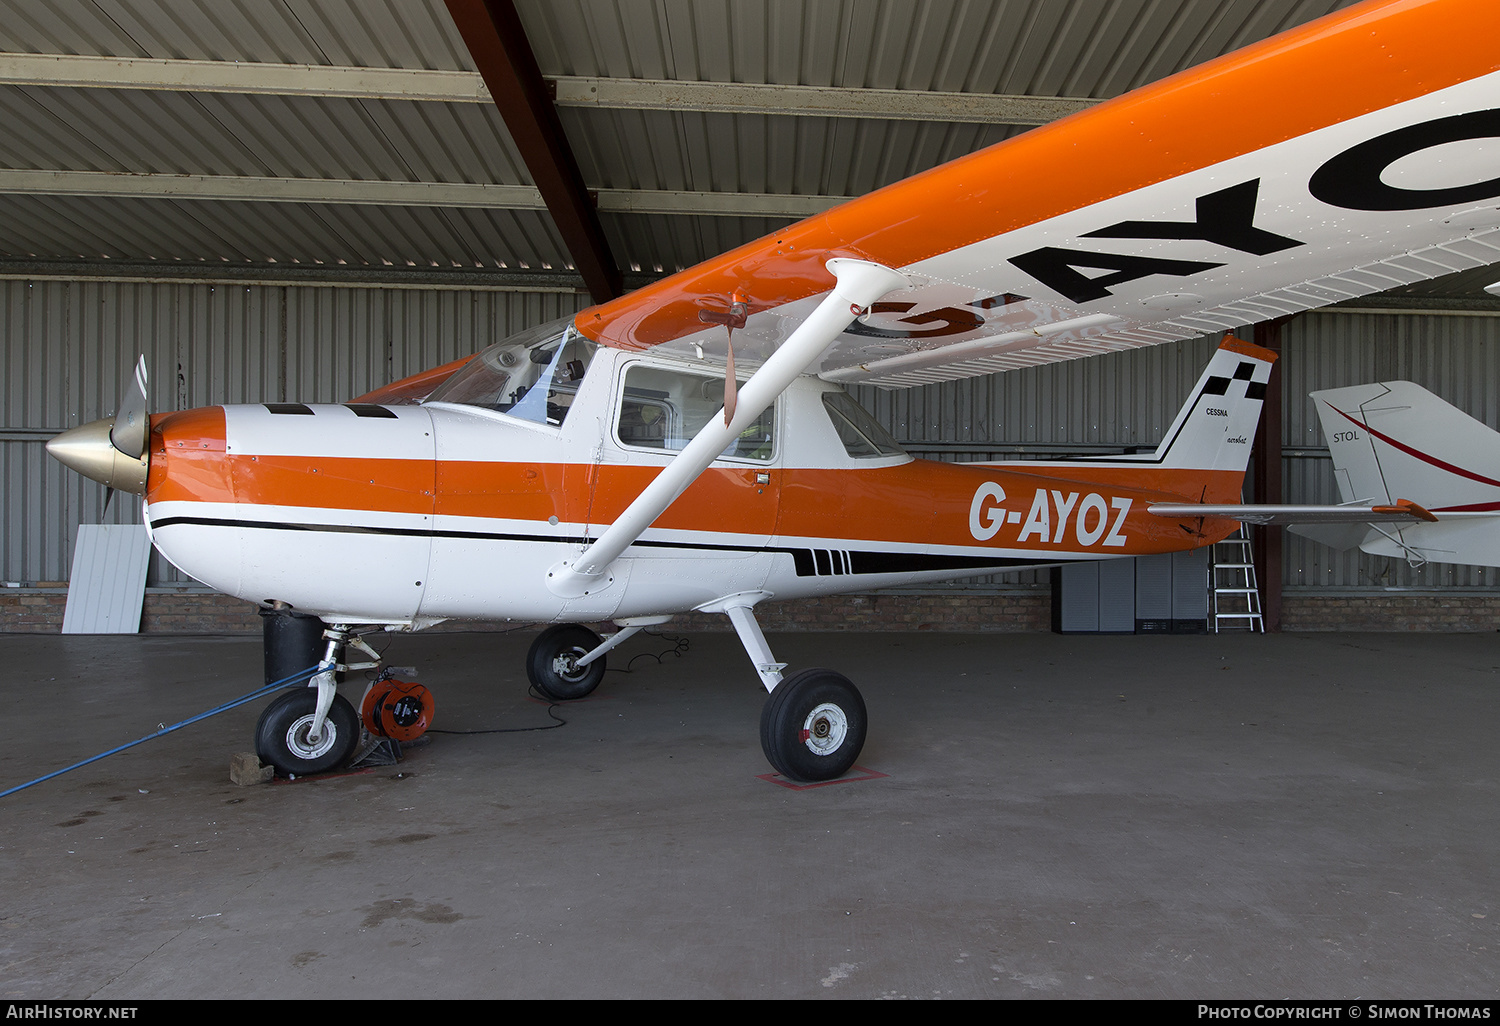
(132, 424)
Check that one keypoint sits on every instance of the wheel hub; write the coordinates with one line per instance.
(566, 665)
(300, 743)
(825, 728)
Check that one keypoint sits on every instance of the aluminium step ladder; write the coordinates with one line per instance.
(1231, 579)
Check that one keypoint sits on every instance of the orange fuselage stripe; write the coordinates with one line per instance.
(918, 504)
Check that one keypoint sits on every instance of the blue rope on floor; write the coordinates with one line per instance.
(260, 692)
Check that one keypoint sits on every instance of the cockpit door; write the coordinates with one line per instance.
(731, 508)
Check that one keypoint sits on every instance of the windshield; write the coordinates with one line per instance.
(862, 435)
(533, 375)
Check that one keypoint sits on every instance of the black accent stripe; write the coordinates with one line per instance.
(912, 562)
(399, 532)
(371, 410)
(1244, 372)
(1255, 390)
(1216, 386)
(805, 561)
(292, 409)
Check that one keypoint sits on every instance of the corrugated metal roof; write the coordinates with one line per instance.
(1031, 47)
(95, 228)
(1042, 48)
(714, 152)
(281, 136)
(363, 33)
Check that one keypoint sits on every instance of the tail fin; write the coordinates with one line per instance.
(1215, 428)
(1396, 440)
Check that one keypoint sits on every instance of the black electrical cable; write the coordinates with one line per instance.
(679, 648)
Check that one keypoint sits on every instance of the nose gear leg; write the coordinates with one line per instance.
(340, 637)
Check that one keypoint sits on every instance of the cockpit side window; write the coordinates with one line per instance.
(661, 408)
(862, 435)
(532, 376)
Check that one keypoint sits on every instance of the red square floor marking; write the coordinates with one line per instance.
(780, 781)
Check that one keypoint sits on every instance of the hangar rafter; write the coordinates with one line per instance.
(72, 71)
(492, 31)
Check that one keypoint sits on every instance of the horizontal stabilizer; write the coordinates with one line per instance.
(1336, 536)
(1399, 512)
(1472, 540)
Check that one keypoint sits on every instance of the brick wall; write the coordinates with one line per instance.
(194, 611)
(1440, 612)
(32, 610)
(165, 611)
(976, 612)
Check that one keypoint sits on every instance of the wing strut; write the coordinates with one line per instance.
(859, 284)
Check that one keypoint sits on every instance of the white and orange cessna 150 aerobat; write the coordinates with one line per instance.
(615, 468)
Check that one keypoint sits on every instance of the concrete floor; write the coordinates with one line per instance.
(1148, 817)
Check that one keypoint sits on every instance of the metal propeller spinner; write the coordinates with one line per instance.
(112, 451)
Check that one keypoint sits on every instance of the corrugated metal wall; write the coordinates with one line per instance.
(66, 347)
(1105, 402)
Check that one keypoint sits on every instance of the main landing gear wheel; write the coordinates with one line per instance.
(281, 736)
(552, 664)
(813, 725)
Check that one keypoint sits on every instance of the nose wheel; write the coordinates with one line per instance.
(812, 726)
(552, 663)
(283, 737)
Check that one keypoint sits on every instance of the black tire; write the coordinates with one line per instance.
(812, 726)
(549, 663)
(281, 734)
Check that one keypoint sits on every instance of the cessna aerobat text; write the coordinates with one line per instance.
(614, 467)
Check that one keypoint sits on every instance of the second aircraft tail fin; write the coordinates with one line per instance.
(1394, 441)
